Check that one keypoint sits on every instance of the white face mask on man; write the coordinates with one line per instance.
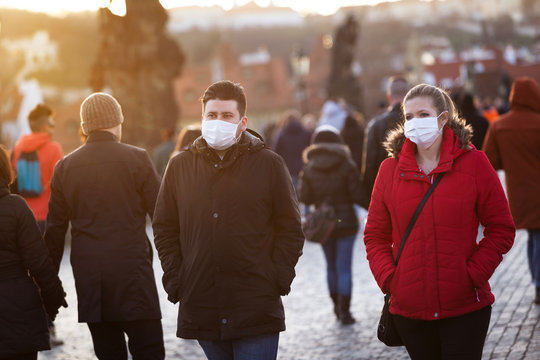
(219, 134)
(423, 131)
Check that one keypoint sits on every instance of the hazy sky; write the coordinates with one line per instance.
(324, 7)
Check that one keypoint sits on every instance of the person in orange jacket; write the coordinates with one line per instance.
(48, 152)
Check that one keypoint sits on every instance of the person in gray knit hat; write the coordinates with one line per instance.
(100, 111)
(105, 189)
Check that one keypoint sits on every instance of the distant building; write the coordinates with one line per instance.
(266, 80)
(489, 69)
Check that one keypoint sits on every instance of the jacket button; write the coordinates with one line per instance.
(216, 165)
(436, 314)
(422, 176)
(402, 174)
(415, 175)
(223, 321)
(215, 215)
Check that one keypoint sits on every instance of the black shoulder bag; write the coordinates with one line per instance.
(386, 331)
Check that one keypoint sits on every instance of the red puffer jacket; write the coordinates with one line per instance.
(443, 272)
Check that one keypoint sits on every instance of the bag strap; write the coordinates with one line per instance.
(416, 214)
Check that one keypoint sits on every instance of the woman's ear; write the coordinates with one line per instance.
(444, 118)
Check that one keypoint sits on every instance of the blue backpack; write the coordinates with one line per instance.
(29, 175)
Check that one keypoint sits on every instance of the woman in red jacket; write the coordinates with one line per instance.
(439, 291)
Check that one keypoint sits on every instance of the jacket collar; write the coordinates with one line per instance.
(450, 151)
(248, 143)
(97, 136)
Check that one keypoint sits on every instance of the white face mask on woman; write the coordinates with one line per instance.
(423, 131)
(219, 134)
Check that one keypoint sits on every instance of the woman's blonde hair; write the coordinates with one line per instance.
(442, 102)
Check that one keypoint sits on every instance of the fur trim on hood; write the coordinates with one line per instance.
(326, 155)
(395, 138)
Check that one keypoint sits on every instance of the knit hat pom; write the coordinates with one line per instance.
(100, 111)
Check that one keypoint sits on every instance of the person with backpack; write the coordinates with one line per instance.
(33, 160)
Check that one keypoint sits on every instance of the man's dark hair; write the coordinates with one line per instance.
(398, 87)
(6, 173)
(39, 117)
(226, 90)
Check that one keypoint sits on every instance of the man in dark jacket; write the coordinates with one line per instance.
(512, 144)
(291, 142)
(105, 189)
(377, 129)
(228, 234)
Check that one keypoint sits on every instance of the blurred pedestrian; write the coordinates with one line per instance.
(186, 137)
(353, 136)
(291, 142)
(47, 153)
(331, 175)
(333, 113)
(34, 158)
(464, 101)
(105, 189)
(512, 144)
(488, 110)
(228, 233)
(29, 285)
(309, 121)
(440, 295)
(377, 129)
(163, 151)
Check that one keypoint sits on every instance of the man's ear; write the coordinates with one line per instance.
(244, 123)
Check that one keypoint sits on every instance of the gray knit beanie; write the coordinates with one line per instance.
(100, 111)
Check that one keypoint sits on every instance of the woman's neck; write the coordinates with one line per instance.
(428, 159)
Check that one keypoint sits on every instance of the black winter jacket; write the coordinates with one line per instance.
(374, 151)
(106, 189)
(24, 262)
(291, 142)
(331, 174)
(228, 235)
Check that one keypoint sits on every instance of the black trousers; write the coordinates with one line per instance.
(460, 337)
(145, 340)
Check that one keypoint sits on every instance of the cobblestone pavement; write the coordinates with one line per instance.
(312, 331)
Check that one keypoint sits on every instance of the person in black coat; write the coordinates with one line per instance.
(29, 285)
(228, 233)
(331, 175)
(353, 136)
(377, 130)
(291, 141)
(106, 189)
(465, 104)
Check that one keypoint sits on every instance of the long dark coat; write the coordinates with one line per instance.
(228, 234)
(512, 144)
(374, 152)
(106, 188)
(23, 326)
(331, 174)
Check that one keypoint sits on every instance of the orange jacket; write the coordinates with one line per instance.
(49, 152)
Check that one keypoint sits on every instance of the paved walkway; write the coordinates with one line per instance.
(312, 332)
